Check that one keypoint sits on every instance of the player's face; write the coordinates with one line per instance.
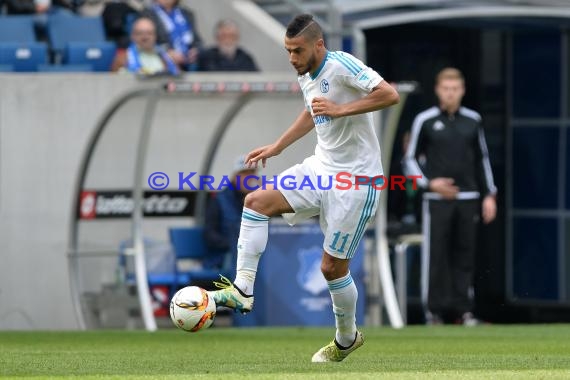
(450, 92)
(302, 54)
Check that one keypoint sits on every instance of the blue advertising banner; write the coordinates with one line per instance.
(290, 288)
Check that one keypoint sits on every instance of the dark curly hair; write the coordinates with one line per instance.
(305, 25)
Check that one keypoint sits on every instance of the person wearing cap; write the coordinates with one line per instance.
(223, 218)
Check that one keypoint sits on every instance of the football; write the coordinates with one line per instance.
(192, 309)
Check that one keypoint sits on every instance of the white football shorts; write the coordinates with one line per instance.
(343, 214)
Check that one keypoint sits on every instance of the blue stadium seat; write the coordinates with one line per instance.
(64, 68)
(63, 30)
(22, 56)
(17, 29)
(189, 243)
(99, 55)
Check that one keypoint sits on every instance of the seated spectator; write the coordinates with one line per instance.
(223, 217)
(227, 55)
(176, 31)
(143, 55)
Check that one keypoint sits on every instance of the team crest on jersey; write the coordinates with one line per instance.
(438, 125)
(324, 86)
(309, 276)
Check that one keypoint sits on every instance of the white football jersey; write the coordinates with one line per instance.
(347, 143)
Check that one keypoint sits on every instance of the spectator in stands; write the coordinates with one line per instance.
(143, 56)
(176, 31)
(223, 217)
(226, 55)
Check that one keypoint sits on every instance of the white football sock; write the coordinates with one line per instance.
(344, 295)
(251, 244)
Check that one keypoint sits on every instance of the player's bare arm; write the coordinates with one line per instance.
(300, 127)
(381, 96)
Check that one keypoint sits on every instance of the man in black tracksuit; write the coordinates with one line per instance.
(456, 175)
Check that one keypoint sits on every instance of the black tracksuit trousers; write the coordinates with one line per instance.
(453, 234)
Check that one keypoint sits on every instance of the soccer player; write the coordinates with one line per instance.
(340, 92)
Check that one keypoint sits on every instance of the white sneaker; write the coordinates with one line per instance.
(332, 353)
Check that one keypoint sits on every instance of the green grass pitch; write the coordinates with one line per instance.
(450, 352)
